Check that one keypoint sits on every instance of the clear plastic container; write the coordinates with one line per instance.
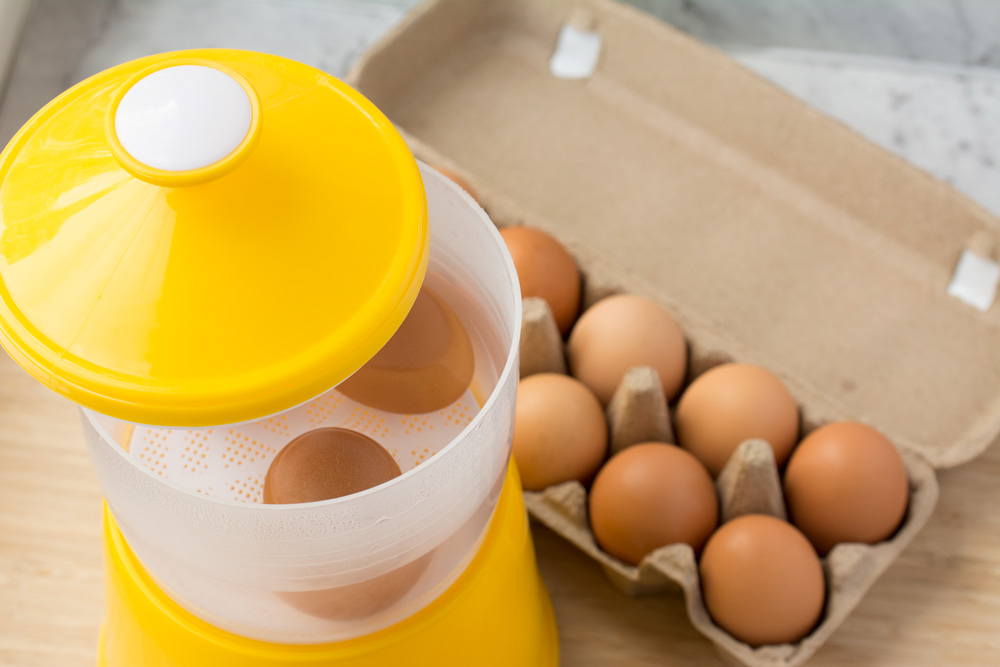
(342, 568)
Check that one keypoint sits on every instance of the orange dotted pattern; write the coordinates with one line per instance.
(277, 424)
(248, 489)
(321, 410)
(421, 455)
(153, 451)
(230, 463)
(242, 449)
(195, 454)
(368, 422)
(458, 415)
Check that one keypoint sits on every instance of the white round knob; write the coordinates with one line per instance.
(183, 117)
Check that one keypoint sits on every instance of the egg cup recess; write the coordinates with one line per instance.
(749, 483)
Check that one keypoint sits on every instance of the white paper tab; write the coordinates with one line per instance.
(576, 53)
(975, 280)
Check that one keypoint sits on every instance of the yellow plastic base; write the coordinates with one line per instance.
(498, 613)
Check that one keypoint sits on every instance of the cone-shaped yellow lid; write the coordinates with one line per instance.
(206, 237)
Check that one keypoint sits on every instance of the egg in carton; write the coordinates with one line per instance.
(750, 483)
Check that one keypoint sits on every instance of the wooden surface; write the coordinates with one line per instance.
(939, 604)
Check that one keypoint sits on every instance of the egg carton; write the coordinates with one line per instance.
(774, 235)
(749, 484)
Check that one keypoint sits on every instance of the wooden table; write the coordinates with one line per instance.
(939, 604)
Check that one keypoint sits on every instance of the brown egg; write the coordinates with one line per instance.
(651, 495)
(846, 483)
(426, 365)
(762, 581)
(362, 599)
(458, 180)
(327, 463)
(546, 271)
(559, 431)
(733, 403)
(619, 333)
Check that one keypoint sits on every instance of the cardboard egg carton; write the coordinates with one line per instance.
(750, 483)
(774, 235)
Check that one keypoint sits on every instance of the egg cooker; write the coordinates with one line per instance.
(197, 248)
(774, 235)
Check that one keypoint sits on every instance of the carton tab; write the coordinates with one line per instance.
(576, 53)
(975, 280)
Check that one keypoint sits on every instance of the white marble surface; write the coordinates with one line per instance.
(957, 32)
(13, 14)
(66, 41)
(943, 118)
(328, 34)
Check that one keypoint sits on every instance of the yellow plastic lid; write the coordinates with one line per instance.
(206, 237)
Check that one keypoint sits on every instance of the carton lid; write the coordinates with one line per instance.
(206, 237)
(776, 235)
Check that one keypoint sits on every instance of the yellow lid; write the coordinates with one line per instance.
(206, 237)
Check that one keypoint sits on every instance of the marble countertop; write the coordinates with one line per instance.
(944, 118)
